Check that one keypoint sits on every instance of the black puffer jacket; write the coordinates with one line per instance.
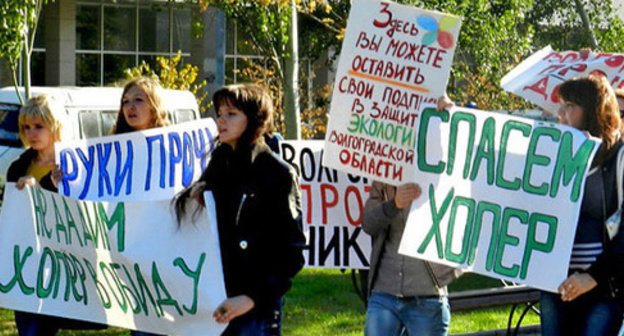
(259, 215)
(19, 167)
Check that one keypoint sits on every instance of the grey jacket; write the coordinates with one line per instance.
(376, 223)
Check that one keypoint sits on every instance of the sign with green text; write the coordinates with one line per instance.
(501, 194)
(123, 264)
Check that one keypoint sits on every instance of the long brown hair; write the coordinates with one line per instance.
(256, 104)
(601, 115)
(159, 114)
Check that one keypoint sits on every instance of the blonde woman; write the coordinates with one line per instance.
(40, 126)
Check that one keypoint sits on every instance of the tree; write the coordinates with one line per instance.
(568, 25)
(170, 77)
(271, 24)
(18, 25)
(495, 35)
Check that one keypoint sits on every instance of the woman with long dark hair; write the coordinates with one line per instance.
(258, 213)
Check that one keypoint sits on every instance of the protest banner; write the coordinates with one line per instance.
(98, 261)
(394, 59)
(538, 77)
(332, 204)
(501, 195)
(150, 165)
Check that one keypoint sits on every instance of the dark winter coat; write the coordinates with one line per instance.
(259, 218)
(19, 167)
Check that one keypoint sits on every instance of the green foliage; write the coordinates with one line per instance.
(493, 38)
(172, 78)
(18, 25)
(13, 30)
(269, 24)
(558, 23)
(322, 25)
(265, 23)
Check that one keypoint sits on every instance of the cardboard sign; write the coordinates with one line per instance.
(394, 59)
(537, 78)
(150, 165)
(123, 264)
(332, 204)
(501, 195)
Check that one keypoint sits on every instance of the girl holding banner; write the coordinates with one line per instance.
(258, 213)
(141, 107)
(40, 126)
(590, 300)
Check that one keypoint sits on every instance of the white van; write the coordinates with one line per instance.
(91, 112)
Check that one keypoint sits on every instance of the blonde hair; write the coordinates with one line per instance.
(45, 108)
(150, 87)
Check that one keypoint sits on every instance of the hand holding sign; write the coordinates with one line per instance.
(576, 285)
(405, 194)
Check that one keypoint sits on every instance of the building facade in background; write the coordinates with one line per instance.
(92, 42)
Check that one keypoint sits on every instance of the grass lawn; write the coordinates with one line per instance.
(323, 302)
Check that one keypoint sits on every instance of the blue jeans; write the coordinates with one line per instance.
(589, 314)
(388, 315)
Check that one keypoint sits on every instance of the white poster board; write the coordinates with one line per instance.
(122, 264)
(538, 77)
(394, 59)
(501, 195)
(332, 204)
(150, 165)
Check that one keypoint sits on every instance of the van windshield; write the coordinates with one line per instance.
(9, 131)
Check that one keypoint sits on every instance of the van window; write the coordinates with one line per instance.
(181, 116)
(95, 123)
(9, 130)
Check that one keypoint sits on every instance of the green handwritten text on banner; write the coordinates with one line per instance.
(501, 195)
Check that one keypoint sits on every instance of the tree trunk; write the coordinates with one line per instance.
(290, 81)
(583, 14)
(27, 49)
(16, 84)
(26, 79)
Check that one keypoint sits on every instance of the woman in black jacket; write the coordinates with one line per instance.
(258, 212)
(589, 301)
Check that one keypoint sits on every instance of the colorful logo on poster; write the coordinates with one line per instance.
(438, 31)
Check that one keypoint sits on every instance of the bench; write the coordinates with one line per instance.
(500, 296)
